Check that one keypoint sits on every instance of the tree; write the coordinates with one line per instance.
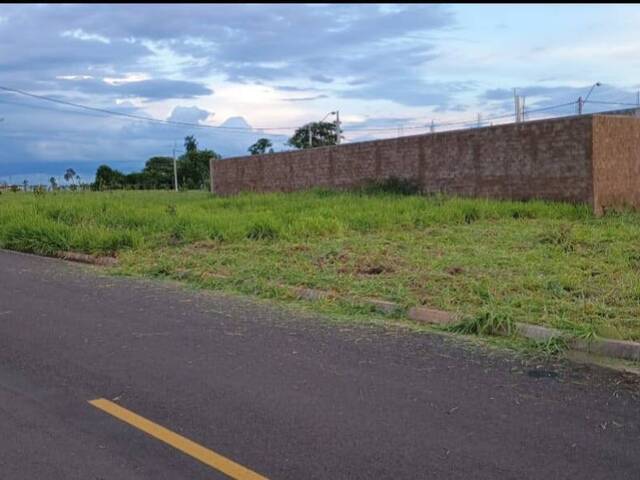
(193, 166)
(193, 169)
(158, 172)
(136, 181)
(69, 175)
(322, 134)
(53, 183)
(261, 146)
(190, 144)
(108, 178)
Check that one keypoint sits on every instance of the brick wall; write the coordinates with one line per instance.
(548, 159)
(616, 162)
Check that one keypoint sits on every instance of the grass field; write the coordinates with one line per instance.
(543, 263)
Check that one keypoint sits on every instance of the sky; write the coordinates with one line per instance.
(242, 72)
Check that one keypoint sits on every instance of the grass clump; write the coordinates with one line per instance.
(485, 323)
(263, 229)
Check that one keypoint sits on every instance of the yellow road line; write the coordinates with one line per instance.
(206, 456)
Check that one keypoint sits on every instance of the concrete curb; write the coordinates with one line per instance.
(431, 316)
(620, 349)
(605, 347)
(90, 259)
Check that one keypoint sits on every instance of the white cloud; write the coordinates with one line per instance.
(80, 34)
(127, 78)
(74, 77)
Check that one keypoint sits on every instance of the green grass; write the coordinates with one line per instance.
(493, 262)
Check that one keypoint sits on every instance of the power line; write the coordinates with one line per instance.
(135, 116)
(261, 130)
(95, 115)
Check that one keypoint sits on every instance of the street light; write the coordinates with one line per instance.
(337, 114)
(581, 102)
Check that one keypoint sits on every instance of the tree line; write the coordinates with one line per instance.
(193, 166)
(158, 173)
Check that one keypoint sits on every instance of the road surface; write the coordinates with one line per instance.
(277, 394)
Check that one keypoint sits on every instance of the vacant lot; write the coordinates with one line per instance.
(543, 263)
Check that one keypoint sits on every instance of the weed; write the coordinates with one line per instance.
(561, 236)
(262, 230)
(486, 323)
(553, 347)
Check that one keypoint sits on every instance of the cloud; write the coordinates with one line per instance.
(304, 99)
(153, 89)
(189, 114)
(321, 78)
(41, 139)
(80, 34)
(411, 92)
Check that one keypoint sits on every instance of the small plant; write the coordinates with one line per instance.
(553, 347)
(561, 237)
(486, 323)
(171, 210)
(470, 215)
(262, 230)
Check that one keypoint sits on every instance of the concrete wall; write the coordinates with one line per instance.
(547, 159)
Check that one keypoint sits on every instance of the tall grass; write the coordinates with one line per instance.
(108, 222)
(536, 261)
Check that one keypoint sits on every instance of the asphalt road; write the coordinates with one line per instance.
(284, 394)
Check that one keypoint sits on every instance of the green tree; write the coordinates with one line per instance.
(70, 175)
(158, 172)
(136, 181)
(322, 134)
(261, 146)
(193, 166)
(193, 169)
(108, 178)
(190, 144)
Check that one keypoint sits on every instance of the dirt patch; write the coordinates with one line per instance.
(454, 270)
(374, 270)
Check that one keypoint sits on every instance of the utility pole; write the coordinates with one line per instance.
(581, 102)
(516, 101)
(638, 98)
(479, 120)
(523, 108)
(309, 132)
(432, 128)
(175, 167)
(338, 126)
